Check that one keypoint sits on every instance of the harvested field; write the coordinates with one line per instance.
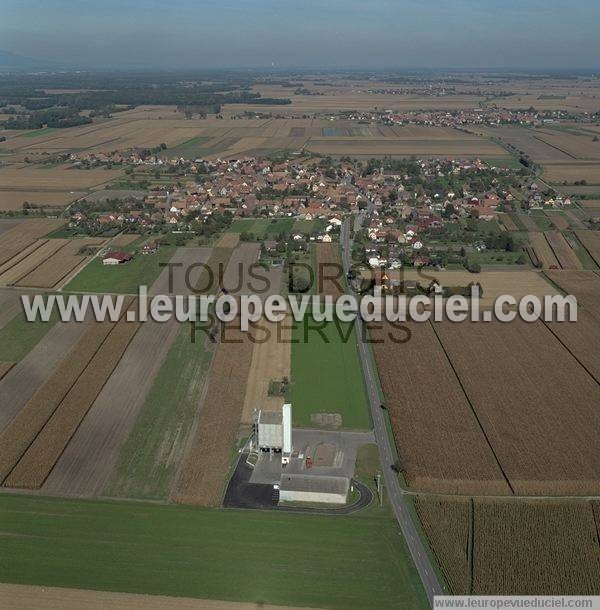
(211, 275)
(456, 146)
(208, 460)
(585, 285)
(507, 221)
(237, 279)
(534, 548)
(29, 421)
(34, 260)
(10, 306)
(227, 240)
(124, 240)
(4, 368)
(582, 339)
(562, 250)
(271, 360)
(25, 597)
(576, 145)
(519, 547)
(524, 139)
(591, 242)
(127, 423)
(21, 256)
(440, 443)
(24, 234)
(187, 272)
(329, 270)
(517, 283)
(542, 423)
(41, 456)
(58, 266)
(37, 367)
(572, 172)
(6, 225)
(446, 523)
(146, 455)
(543, 251)
(14, 200)
(60, 178)
(558, 220)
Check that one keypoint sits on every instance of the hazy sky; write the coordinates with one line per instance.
(284, 33)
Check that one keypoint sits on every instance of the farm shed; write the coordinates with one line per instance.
(311, 488)
(116, 258)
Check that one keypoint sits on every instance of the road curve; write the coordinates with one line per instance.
(398, 501)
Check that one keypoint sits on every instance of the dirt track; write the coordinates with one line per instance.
(25, 597)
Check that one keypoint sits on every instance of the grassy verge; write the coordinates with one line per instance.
(121, 279)
(326, 374)
(252, 556)
(153, 451)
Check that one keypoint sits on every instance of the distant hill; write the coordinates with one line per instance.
(12, 61)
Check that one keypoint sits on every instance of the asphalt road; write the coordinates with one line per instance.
(392, 486)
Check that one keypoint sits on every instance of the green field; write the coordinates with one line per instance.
(39, 132)
(326, 373)
(190, 149)
(19, 336)
(151, 455)
(505, 162)
(289, 559)
(121, 279)
(310, 226)
(541, 220)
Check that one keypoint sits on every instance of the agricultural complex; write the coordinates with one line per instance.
(310, 463)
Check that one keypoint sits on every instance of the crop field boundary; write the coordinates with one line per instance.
(473, 410)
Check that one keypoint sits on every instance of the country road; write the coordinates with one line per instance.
(395, 494)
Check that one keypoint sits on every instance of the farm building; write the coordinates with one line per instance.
(308, 488)
(150, 247)
(117, 258)
(274, 431)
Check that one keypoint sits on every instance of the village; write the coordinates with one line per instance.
(421, 212)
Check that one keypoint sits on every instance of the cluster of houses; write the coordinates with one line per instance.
(487, 116)
(404, 209)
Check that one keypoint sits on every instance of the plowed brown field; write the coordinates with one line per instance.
(51, 271)
(208, 461)
(29, 421)
(24, 234)
(440, 443)
(535, 402)
(591, 242)
(563, 252)
(329, 271)
(39, 459)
